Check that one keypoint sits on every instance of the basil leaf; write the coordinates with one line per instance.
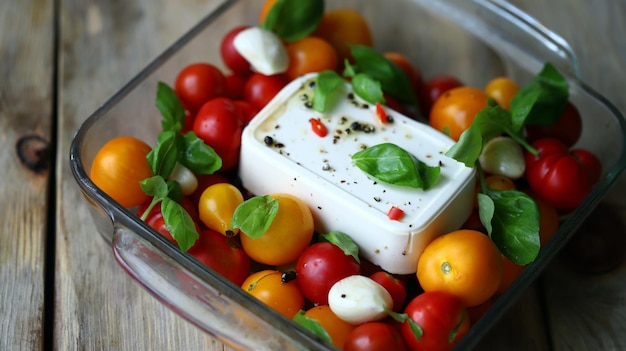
(294, 20)
(312, 325)
(154, 186)
(344, 242)
(391, 164)
(515, 225)
(490, 122)
(179, 222)
(367, 88)
(174, 191)
(255, 215)
(486, 210)
(198, 156)
(327, 90)
(163, 157)
(542, 101)
(392, 78)
(170, 107)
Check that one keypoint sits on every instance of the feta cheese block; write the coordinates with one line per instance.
(281, 152)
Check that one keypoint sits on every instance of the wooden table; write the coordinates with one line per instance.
(61, 288)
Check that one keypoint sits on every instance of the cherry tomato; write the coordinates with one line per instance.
(198, 83)
(558, 176)
(394, 286)
(231, 57)
(567, 128)
(433, 88)
(502, 90)
(287, 237)
(590, 162)
(217, 205)
(269, 287)
(222, 254)
(204, 181)
(374, 336)
(342, 28)
(412, 72)
(442, 318)
(219, 124)
(454, 111)
(119, 166)
(260, 89)
(234, 86)
(320, 266)
(337, 329)
(248, 110)
(310, 54)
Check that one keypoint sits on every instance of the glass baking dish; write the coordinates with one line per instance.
(483, 39)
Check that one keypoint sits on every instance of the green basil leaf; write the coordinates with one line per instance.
(170, 107)
(367, 88)
(255, 215)
(198, 156)
(155, 186)
(392, 78)
(174, 191)
(344, 242)
(542, 101)
(294, 20)
(490, 122)
(327, 90)
(312, 325)
(486, 210)
(515, 225)
(391, 164)
(179, 222)
(163, 157)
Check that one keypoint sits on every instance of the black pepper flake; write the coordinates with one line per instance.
(343, 296)
(308, 104)
(351, 96)
(304, 97)
(319, 207)
(376, 198)
(348, 130)
(356, 126)
(312, 84)
(279, 145)
(440, 163)
(343, 120)
(389, 119)
(268, 140)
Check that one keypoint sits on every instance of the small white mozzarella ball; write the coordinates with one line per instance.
(358, 299)
(187, 180)
(263, 49)
(503, 156)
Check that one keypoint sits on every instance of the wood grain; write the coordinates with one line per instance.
(102, 44)
(26, 72)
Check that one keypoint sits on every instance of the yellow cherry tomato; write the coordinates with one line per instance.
(282, 295)
(502, 90)
(289, 234)
(217, 205)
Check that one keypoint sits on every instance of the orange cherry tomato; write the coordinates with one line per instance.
(454, 111)
(465, 263)
(502, 90)
(119, 166)
(343, 27)
(499, 182)
(269, 287)
(337, 329)
(288, 236)
(310, 54)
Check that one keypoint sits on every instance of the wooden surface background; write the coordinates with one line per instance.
(60, 287)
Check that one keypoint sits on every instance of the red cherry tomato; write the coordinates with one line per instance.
(219, 124)
(558, 176)
(442, 318)
(374, 336)
(433, 88)
(394, 286)
(248, 110)
(260, 89)
(231, 57)
(223, 254)
(198, 83)
(319, 267)
(234, 85)
(567, 129)
(590, 162)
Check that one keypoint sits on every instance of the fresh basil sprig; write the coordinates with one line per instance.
(294, 20)
(172, 110)
(392, 164)
(328, 86)
(255, 215)
(178, 221)
(368, 88)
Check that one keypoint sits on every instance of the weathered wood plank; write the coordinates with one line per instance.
(26, 93)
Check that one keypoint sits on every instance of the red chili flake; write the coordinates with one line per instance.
(318, 127)
(395, 213)
(381, 114)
